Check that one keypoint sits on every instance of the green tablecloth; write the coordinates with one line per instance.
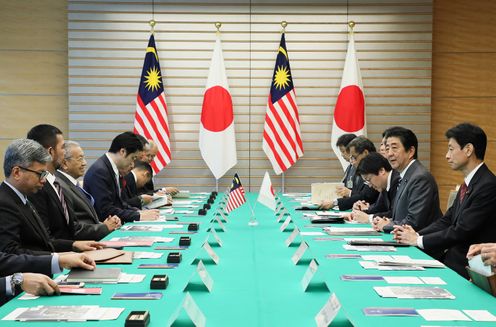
(256, 284)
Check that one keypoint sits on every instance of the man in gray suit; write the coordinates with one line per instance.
(73, 166)
(417, 198)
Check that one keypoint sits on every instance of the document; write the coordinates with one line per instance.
(351, 231)
(137, 296)
(369, 248)
(131, 278)
(477, 265)
(99, 275)
(403, 280)
(147, 255)
(157, 202)
(383, 311)
(325, 192)
(442, 315)
(413, 292)
(64, 313)
(480, 315)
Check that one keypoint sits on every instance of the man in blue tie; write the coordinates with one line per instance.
(73, 167)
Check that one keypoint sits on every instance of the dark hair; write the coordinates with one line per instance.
(385, 132)
(127, 141)
(44, 134)
(141, 165)
(345, 139)
(361, 143)
(407, 138)
(142, 139)
(372, 163)
(466, 133)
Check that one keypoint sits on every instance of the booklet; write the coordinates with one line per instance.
(99, 275)
(137, 296)
(351, 231)
(64, 313)
(81, 291)
(383, 311)
(158, 202)
(413, 292)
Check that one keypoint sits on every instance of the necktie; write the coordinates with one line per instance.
(86, 194)
(123, 182)
(463, 191)
(41, 226)
(62, 200)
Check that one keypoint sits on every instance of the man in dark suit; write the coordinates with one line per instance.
(358, 148)
(341, 144)
(50, 202)
(73, 166)
(417, 199)
(377, 172)
(472, 217)
(104, 180)
(30, 273)
(21, 228)
(138, 177)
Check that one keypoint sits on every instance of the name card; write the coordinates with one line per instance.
(285, 224)
(292, 236)
(307, 278)
(192, 310)
(211, 252)
(328, 312)
(299, 252)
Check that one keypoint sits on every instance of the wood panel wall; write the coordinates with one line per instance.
(33, 67)
(463, 79)
(106, 49)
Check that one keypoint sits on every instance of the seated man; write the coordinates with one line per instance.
(150, 150)
(135, 180)
(104, 180)
(21, 228)
(35, 271)
(359, 148)
(472, 217)
(73, 166)
(50, 202)
(417, 199)
(342, 143)
(377, 172)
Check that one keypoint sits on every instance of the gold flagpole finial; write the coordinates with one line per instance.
(284, 24)
(218, 25)
(351, 24)
(152, 23)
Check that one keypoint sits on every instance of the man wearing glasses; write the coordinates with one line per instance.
(358, 148)
(22, 230)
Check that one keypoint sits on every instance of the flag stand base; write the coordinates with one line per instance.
(253, 222)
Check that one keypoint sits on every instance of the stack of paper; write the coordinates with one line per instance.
(413, 292)
(64, 313)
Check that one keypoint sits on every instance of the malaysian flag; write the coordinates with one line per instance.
(282, 136)
(150, 119)
(236, 195)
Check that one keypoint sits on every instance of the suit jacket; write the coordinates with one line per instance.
(130, 192)
(472, 221)
(360, 191)
(12, 263)
(22, 230)
(384, 204)
(417, 199)
(88, 226)
(149, 188)
(101, 183)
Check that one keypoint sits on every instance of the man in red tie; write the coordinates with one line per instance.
(472, 217)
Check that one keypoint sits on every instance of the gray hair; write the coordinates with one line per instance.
(23, 152)
(68, 146)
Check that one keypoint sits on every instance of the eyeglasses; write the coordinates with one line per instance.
(41, 174)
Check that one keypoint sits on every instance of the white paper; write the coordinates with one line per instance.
(369, 248)
(402, 280)
(433, 280)
(307, 277)
(477, 265)
(285, 224)
(311, 234)
(211, 252)
(377, 257)
(442, 315)
(325, 191)
(480, 315)
(328, 312)
(147, 255)
(292, 236)
(130, 278)
(27, 296)
(299, 252)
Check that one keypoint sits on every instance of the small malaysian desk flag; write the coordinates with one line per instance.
(236, 195)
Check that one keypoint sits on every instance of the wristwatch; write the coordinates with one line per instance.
(16, 281)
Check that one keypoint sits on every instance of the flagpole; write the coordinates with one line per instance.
(283, 24)
(282, 183)
(216, 185)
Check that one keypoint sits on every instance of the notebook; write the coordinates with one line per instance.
(99, 275)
